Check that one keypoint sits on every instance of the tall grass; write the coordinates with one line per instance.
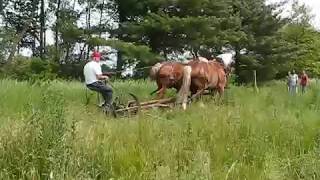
(52, 132)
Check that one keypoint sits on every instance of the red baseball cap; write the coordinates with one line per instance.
(96, 55)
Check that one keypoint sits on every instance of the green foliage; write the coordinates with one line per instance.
(6, 38)
(130, 50)
(18, 13)
(21, 18)
(306, 42)
(183, 25)
(29, 69)
(259, 26)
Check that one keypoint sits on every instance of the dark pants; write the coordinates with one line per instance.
(303, 88)
(104, 89)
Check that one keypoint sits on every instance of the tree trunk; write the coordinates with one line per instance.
(81, 52)
(15, 43)
(18, 48)
(237, 65)
(34, 45)
(42, 24)
(100, 21)
(120, 62)
(255, 80)
(88, 27)
(57, 29)
(165, 53)
(74, 4)
(20, 35)
(67, 54)
(44, 41)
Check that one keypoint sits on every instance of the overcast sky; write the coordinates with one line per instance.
(314, 6)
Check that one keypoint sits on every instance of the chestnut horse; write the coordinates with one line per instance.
(207, 75)
(167, 75)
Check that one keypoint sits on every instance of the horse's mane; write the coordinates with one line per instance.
(203, 59)
(199, 59)
(154, 70)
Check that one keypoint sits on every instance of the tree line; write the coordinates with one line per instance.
(146, 31)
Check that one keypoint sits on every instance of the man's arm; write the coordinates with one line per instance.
(99, 74)
(109, 73)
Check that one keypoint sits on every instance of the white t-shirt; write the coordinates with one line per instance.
(90, 71)
(293, 79)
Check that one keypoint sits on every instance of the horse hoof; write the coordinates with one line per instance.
(184, 106)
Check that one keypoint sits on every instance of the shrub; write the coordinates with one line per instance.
(33, 69)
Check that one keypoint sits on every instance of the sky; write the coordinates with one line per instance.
(315, 9)
(314, 6)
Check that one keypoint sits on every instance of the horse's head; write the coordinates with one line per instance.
(230, 68)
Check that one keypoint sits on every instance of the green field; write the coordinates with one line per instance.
(51, 131)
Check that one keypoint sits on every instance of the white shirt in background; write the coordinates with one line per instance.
(293, 79)
(90, 71)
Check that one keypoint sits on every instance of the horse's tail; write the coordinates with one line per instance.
(185, 87)
(154, 71)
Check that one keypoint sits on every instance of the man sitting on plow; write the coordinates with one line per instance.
(93, 76)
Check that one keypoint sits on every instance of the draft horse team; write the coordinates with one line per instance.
(195, 76)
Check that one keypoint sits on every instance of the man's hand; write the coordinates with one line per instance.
(102, 77)
(106, 78)
(109, 73)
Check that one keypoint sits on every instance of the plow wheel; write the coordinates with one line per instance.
(132, 107)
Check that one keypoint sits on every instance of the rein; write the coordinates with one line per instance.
(120, 71)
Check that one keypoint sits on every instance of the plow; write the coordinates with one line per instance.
(135, 106)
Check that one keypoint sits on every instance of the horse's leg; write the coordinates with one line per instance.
(221, 93)
(221, 86)
(195, 88)
(161, 92)
(155, 91)
(198, 93)
(159, 84)
(212, 92)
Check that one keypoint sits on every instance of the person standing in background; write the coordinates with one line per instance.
(304, 81)
(293, 82)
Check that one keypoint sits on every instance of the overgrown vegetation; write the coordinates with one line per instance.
(52, 134)
(50, 127)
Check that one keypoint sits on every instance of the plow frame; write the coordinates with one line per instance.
(135, 106)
